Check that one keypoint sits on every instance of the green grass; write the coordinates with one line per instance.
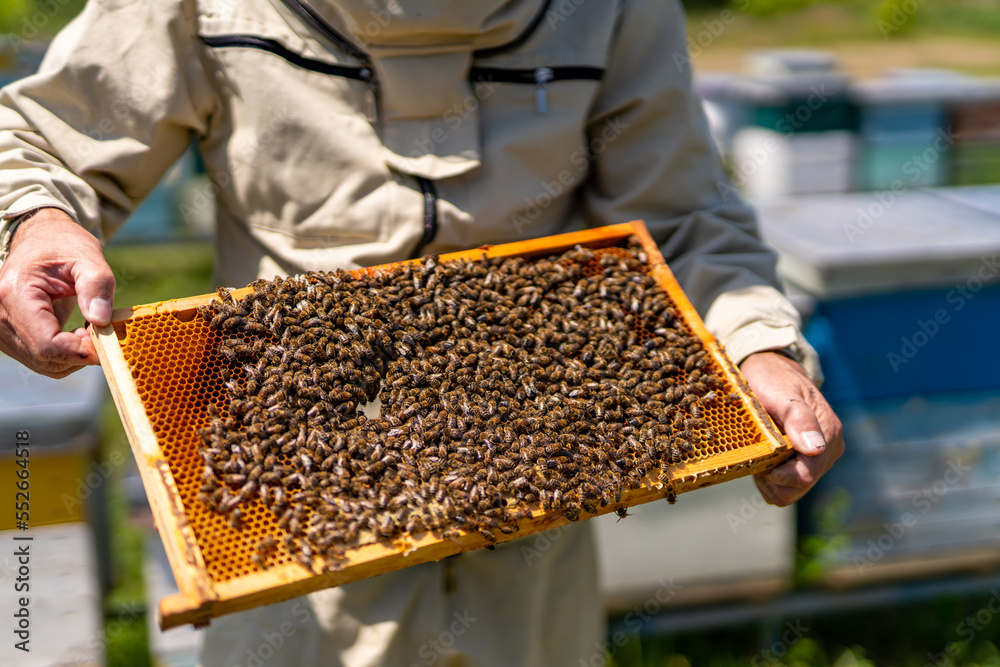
(126, 642)
(147, 273)
(30, 18)
(961, 18)
(813, 24)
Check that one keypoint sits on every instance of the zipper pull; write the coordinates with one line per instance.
(371, 106)
(542, 76)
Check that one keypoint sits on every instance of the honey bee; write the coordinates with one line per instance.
(674, 454)
(696, 388)
(670, 494)
(255, 328)
(622, 512)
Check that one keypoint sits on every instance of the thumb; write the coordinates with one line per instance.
(95, 289)
(802, 428)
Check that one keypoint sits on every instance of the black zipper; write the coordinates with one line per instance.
(430, 213)
(540, 77)
(309, 15)
(271, 46)
(537, 75)
(364, 73)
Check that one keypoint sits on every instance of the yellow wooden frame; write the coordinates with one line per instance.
(200, 598)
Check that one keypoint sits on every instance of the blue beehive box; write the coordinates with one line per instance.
(903, 130)
(907, 288)
(901, 120)
(906, 293)
(908, 105)
(921, 341)
(911, 164)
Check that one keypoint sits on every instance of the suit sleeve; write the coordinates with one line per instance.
(116, 101)
(653, 159)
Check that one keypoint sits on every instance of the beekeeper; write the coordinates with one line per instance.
(347, 133)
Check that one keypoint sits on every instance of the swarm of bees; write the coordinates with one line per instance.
(505, 385)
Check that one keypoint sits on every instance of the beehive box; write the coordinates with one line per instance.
(163, 362)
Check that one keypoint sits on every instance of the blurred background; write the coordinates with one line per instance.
(867, 132)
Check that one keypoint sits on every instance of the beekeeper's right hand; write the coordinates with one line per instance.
(51, 260)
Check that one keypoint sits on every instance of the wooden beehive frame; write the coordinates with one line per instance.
(200, 598)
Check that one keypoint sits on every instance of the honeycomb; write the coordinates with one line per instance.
(733, 425)
(175, 366)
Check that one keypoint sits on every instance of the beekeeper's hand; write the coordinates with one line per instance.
(51, 260)
(799, 409)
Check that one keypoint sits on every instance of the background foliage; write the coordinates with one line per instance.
(43, 17)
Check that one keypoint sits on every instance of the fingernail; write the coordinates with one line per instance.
(100, 310)
(813, 441)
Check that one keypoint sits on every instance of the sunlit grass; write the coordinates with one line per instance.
(868, 35)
